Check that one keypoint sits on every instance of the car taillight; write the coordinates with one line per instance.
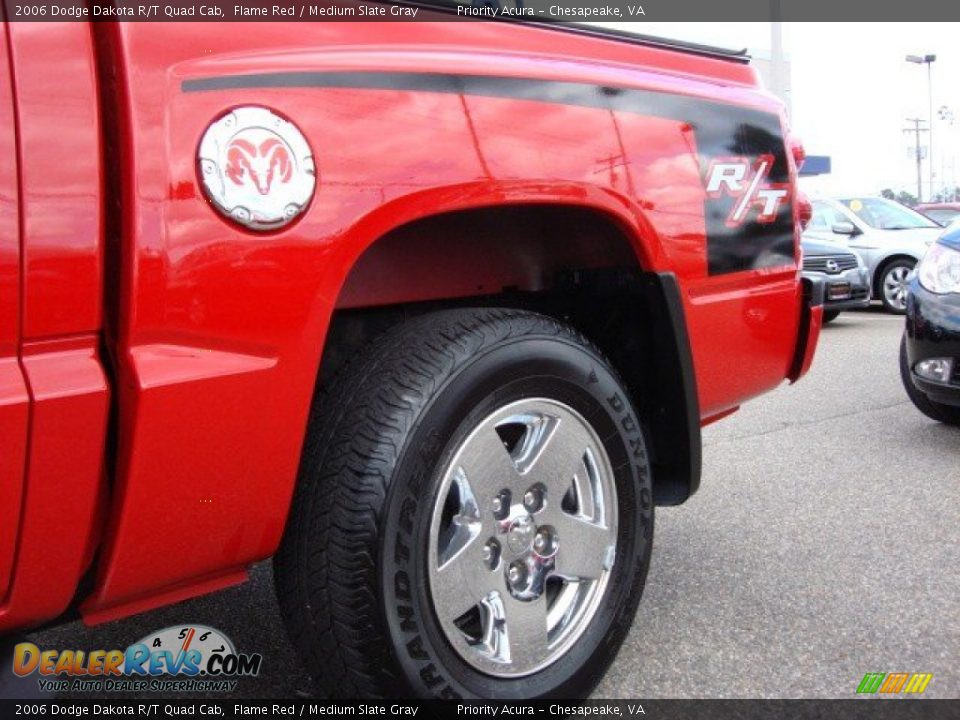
(799, 154)
(804, 210)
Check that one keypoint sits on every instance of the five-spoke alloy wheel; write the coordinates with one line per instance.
(523, 537)
(474, 516)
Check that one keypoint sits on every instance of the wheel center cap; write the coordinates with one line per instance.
(520, 535)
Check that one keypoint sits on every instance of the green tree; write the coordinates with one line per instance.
(906, 198)
(947, 195)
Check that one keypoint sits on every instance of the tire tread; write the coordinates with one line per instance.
(326, 567)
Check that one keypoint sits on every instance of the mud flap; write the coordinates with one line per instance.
(811, 320)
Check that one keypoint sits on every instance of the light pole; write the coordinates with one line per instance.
(928, 61)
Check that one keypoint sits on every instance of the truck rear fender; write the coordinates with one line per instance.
(590, 265)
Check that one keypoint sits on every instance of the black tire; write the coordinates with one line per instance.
(830, 315)
(350, 574)
(947, 414)
(888, 268)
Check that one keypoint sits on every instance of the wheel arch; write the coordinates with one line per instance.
(882, 268)
(592, 264)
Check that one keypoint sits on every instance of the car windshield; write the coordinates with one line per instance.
(944, 216)
(886, 214)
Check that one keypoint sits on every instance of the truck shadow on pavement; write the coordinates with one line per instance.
(247, 614)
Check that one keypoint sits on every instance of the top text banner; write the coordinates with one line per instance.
(636, 11)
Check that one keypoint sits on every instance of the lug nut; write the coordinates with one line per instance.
(545, 542)
(533, 499)
(516, 573)
(491, 553)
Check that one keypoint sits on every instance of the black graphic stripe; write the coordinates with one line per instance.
(720, 130)
(646, 102)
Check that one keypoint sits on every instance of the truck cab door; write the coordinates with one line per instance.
(14, 399)
(54, 396)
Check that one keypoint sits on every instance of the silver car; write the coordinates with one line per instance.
(890, 237)
(844, 275)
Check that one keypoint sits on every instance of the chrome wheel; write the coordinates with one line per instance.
(522, 537)
(895, 282)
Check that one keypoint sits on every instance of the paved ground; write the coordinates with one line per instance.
(822, 545)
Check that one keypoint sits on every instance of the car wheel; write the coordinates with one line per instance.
(830, 315)
(947, 414)
(894, 280)
(474, 515)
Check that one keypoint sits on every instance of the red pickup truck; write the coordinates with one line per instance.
(431, 313)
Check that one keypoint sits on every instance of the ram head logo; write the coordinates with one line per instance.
(256, 168)
(261, 164)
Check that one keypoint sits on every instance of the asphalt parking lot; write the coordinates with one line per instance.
(822, 545)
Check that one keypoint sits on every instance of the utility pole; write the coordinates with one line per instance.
(916, 130)
(927, 60)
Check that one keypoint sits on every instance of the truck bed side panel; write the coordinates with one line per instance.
(220, 330)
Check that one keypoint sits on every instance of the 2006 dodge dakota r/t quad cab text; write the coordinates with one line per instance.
(431, 313)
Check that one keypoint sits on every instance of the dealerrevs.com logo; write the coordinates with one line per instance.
(176, 659)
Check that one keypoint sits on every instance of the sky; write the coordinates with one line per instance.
(851, 93)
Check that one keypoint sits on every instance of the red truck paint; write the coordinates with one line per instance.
(14, 401)
(214, 334)
(59, 489)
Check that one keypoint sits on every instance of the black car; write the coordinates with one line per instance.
(930, 350)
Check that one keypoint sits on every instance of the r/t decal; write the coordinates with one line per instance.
(745, 181)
